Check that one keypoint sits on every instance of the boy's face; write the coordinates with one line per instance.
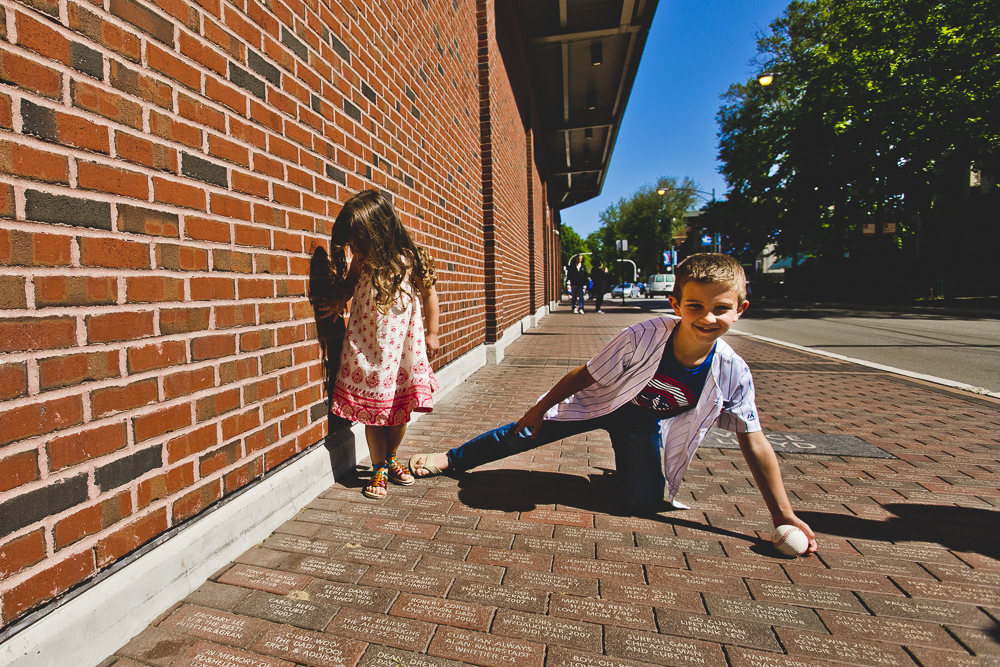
(707, 310)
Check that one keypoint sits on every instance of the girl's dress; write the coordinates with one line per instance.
(384, 373)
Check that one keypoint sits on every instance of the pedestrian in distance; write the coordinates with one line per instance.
(656, 388)
(601, 278)
(576, 275)
(384, 372)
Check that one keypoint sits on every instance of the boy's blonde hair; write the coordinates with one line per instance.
(712, 268)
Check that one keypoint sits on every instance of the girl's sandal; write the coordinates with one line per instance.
(398, 474)
(376, 482)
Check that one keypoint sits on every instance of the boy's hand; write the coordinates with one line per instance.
(531, 420)
(432, 344)
(793, 520)
(325, 308)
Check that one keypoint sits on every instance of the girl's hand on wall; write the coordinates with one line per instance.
(433, 346)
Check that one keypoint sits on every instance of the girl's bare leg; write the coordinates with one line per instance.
(383, 443)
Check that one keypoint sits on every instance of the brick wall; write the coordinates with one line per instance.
(169, 170)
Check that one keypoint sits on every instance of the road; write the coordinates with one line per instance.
(960, 348)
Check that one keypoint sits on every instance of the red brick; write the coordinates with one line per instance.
(211, 289)
(102, 32)
(243, 475)
(287, 196)
(28, 421)
(183, 320)
(116, 327)
(247, 235)
(250, 185)
(160, 422)
(82, 133)
(289, 242)
(154, 289)
(103, 103)
(252, 341)
(86, 446)
(94, 176)
(17, 470)
(169, 128)
(113, 253)
(222, 457)
(131, 537)
(29, 75)
(200, 113)
(41, 39)
(77, 526)
(301, 221)
(145, 152)
(188, 382)
(22, 552)
(109, 400)
(266, 166)
(237, 425)
(19, 248)
(74, 369)
(172, 67)
(182, 11)
(27, 162)
(13, 382)
(181, 257)
(200, 52)
(75, 291)
(213, 406)
(213, 347)
(203, 229)
(226, 95)
(133, 82)
(6, 194)
(178, 194)
(227, 317)
(7, 112)
(228, 150)
(256, 289)
(230, 207)
(47, 584)
(247, 133)
(191, 443)
(156, 356)
(165, 484)
(197, 500)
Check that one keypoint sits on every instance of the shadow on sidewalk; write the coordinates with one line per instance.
(956, 528)
(512, 490)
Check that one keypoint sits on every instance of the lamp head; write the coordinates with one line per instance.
(765, 78)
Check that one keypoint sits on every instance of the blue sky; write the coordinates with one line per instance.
(695, 50)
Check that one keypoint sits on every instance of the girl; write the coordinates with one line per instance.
(384, 370)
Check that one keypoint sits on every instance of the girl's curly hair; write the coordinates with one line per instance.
(369, 222)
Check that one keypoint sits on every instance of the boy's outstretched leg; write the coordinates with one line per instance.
(638, 465)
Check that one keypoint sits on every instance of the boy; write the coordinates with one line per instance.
(656, 388)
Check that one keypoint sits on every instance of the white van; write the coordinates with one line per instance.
(660, 284)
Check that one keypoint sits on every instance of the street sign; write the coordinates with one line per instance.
(868, 228)
(888, 227)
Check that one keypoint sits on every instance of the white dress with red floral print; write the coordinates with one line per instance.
(384, 373)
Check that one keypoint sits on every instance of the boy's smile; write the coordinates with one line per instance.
(707, 311)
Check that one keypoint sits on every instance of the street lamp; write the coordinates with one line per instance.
(765, 78)
(635, 269)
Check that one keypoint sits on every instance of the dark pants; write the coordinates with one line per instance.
(635, 438)
(578, 297)
(600, 298)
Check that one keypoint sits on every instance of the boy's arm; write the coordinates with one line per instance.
(763, 464)
(431, 320)
(574, 381)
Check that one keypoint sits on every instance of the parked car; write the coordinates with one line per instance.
(660, 285)
(629, 289)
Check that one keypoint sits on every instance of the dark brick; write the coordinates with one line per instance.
(87, 60)
(247, 81)
(336, 174)
(26, 509)
(203, 170)
(124, 470)
(45, 207)
(340, 49)
(289, 40)
(352, 111)
(149, 22)
(367, 91)
(414, 111)
(264, 68)
(39, 121)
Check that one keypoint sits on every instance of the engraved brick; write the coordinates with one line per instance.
(602, 569)
(845, 651)
(432, 547)
(381, 629)
(717, 629)
(156, 646)
(668, 598)
(487, 650)
(547, 630)
(317, 649)
(685, 544)
(904, 552)
(500, 525)
(744, 657)
(965, 575)
(207, 654)
(354, 536)
(661, 649)
(562, 656)
(923, 588)
(217, 596)
(367, 598)
(673, 559)
(886, 629)
(938, 611)
(548, 581)
(603, 612)
(440, 519)
(261, 579)
(425, 584)
(547, 545)
(579, 519)
(382, 511)
(853, 581)
(330, 518)
(327, 569)
(932, 658)
(633, 524)
(384, 656)
(594, 535)
(736, 568)
(214, 625)
(476, 537)
(290, 610)
(885, 566)
(508, 558)
(446, 567)
(418, 504)
(806, 596)
(709, 583)
(499, 596)
(764, 612)
(392, 559)
(302, 545)
(444, 612)
(424, 531)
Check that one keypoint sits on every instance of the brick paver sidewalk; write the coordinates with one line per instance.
(526, 564)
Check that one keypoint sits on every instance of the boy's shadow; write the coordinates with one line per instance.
(955, 528)
(511, 490)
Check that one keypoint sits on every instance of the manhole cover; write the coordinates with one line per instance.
(803, 443)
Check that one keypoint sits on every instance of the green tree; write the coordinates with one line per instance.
(572, 244)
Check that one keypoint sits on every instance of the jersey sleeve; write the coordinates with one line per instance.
(608, 365)
(739, 406)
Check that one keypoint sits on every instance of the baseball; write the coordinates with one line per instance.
(789, 540)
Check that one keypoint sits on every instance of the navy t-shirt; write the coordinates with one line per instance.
(673, 389)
